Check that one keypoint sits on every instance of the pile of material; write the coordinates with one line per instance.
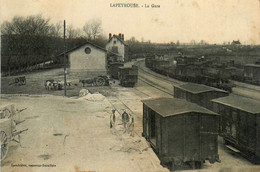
(86, 95)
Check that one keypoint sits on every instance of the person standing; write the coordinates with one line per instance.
(112, 118)
(125, 120)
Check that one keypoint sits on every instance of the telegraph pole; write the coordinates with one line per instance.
(65, 71)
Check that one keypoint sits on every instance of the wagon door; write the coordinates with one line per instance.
(191, 141)
(209, 137)
(145, 121)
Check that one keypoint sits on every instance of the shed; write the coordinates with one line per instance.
(180, 131)
(240, 123)
(198, 93)
(87, 59)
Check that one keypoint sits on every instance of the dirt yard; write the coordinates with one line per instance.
(35, 84)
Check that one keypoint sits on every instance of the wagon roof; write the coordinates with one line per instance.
(241, 103)
(253, 65)
(125, 67)
(197, 88)
(172, 106)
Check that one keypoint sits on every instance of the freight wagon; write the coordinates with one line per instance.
(240, 124)
(128, 76)
(193, 69)
(180, 132)
(198, 93)
(114, 69)
(252, 73)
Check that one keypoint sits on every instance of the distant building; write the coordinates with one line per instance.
(235, 42)
(117, 45)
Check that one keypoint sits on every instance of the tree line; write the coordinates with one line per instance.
(29, 41)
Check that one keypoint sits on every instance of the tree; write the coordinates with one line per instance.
(25, 37)
(57, 30)
(93, 29)
(72, 33)
(87, 30)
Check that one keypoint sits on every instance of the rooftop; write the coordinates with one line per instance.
(253, 65)
(172, 106)
(197, 88)
(116, 36)
(241, 103)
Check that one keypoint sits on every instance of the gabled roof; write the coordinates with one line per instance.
(241, 103)
(118, 39)
(236, 42)
(197, 88)
(173, 106)
(84, 44)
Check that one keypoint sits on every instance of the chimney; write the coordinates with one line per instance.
(123, 37)
(120, 36)
(110, 35)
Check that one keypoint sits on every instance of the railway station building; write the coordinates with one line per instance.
(87, 59)
(117, 46)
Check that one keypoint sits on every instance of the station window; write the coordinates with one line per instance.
(114, 41)
(87, 50)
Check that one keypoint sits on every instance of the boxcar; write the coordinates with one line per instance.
(198, 93)
(252, 73)
(128, 76)
(240, 124)
(114, 69)
(180, 132)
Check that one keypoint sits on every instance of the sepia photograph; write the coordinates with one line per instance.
(130, 85)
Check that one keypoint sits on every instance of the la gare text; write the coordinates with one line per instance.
(133, 5)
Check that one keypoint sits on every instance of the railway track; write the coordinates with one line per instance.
(147, 71)
(151, 78)
(241, 89)
(157, 86)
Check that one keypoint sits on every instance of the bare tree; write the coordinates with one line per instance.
(88, 31)
(25, 36)
(72, 32)
(57, 29)
(93, 29)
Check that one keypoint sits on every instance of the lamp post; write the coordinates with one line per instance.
(65, 71)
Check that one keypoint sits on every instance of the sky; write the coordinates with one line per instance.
(215, 21)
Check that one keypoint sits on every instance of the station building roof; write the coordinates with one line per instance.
(173, 106)
(241, 103)
(197, 88)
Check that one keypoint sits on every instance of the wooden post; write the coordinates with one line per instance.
(65, 72)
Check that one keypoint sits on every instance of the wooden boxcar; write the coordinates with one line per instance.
(198, 93)
(180, 132)
(128, 76)
(252, 73)
(114, 69)
(240, 124)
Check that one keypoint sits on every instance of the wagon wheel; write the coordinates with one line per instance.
(100, 81)
(4, 145)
